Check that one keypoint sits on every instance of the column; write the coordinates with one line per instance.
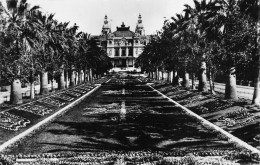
(120, 52)
(127, 51)
(113, 52)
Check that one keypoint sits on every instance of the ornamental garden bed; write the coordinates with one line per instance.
(153, 131)
(126, 158)
(237, 117)
(17, 119)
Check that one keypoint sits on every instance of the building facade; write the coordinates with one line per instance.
(123, 46)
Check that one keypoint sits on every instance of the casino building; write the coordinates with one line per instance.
(123, 46)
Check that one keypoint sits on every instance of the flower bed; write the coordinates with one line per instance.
(79, 91)
(72, 93)
(13, 141)
(240, 114)
(257, 138)
(35, 109)
(213, 106)
(102, 80)
(229, 122)
(64, 97)
(52, 102)
(12, 122)
(112, 92)
(84, 87)
(180, 95)
(137, 158)
(238, 118)
(95, 111)
(192, 99)
(104, 109)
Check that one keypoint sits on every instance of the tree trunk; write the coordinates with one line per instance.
(72, 79)
(62, 80)
(157, 76)
(79, 77)
(168, 76)
(230, 90)
(52, 82)
(176, 79)
(85, 75)
(211, 85)
(44, 83)
(90, 74)
(203, 78)
(16, 92)
(52, 85)
(66, 79)
(256, 96)
(0, 80)
(32, 92)
(186, 83)
(162, 73)
(82, 76)
(171, 77)
(193, 81)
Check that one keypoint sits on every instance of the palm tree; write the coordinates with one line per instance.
(47, 47)
(252, 10)
(83, 53)
(64, 39)
(18, 29)
(220, 22)
(185, 37)
(195, 18)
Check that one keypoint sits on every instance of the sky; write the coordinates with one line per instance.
(89, 14)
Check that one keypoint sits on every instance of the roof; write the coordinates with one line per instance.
(123, 31)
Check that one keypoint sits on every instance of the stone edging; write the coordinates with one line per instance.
(45, 121)
(231, 137)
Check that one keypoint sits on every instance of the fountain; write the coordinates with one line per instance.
(123, 110)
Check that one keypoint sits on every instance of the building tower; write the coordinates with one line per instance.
(139, 26)
(106, 28)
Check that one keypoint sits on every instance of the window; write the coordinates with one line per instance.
(130, 52)
(109, 52)
(123, 52)
(116, 52)
(130, 63)
(123, 63)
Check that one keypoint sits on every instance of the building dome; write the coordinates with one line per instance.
(123, 34)
(123, 31)
(106, 26)
(139, 26)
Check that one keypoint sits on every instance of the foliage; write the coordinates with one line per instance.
(221, 32)
(32, 42)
